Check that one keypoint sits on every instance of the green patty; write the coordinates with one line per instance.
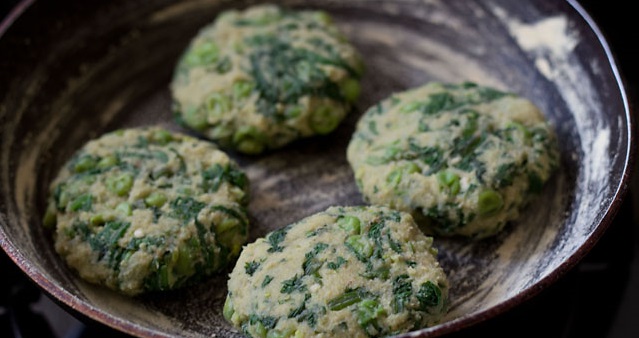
(260, 78)
(344, 272)
(463, 159)
(143, 210)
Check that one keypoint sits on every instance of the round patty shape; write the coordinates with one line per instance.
(344, 272)
(145, 209)
(463, 159)
(260, 78)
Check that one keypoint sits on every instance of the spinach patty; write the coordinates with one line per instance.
(260, 78)
(463, 159)
(344, 272)
(143, 210)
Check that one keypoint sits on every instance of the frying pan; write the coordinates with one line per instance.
(74, 70)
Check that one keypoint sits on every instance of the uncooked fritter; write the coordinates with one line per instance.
(344, 272)
(260, 78)
(463, 159)
(141, 210)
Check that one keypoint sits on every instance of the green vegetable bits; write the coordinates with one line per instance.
(260, 78)
(462, 158)
(142, 210)
(344, 272)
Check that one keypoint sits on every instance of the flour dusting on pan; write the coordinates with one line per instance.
(551, 43)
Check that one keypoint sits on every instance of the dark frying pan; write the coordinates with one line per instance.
(73, 70)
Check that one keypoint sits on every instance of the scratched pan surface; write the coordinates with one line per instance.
(73, 71)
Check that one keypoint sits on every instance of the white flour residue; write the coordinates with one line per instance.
(551, 42)
(551, 34)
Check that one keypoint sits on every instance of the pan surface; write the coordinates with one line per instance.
(72, 71)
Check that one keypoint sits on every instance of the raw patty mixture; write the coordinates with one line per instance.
(260, 78)
(344, 272)
(142, 210)
(463, 159)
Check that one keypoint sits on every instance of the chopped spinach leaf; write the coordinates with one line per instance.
(396, 246)
(429, 295)
(213, 177)
(535, 183)
(276, 238)
(375, 233)
(251, 267)
(402, 291)
(293, 284)
(106, 240)
(311, 264)
(82, 203)
(438, 102)
(433, 156)
(337, 264)
(304, 314)
(267, 280)
(505, 175)
(186, 208)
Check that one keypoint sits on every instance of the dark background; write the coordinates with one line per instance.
(598, 298)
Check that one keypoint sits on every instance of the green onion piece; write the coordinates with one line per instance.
(124, 208)
(360, 245)
(448, 180)
(184, 263)
(249, 140)
(107, 161)
(349, 223)
(161, 136)
(242, 89)
(228, 310)
(82, 203)
(350, 89)
(220, 131)
(50, 216)
(260, 330)
(226, 225)
(324, 120)
(390, 153)
(345, 300)
(97, 219)
(203, 54)
(394, 178)
(412, 168)
(84, 163)
(195, 118)
(155, 199)
(121, 184)
(411, 106)
(368, 310)
(218, 105)
(489, 202)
